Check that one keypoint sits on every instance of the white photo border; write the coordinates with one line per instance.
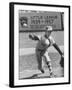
(46, 81)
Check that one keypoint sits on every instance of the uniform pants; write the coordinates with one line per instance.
(43, 55)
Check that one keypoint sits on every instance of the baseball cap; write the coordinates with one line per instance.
(49, 28)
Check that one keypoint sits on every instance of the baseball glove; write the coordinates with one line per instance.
(62, 61)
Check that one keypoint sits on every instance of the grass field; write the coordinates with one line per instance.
(28, 66)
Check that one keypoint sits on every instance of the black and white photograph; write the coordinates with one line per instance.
(41, 46)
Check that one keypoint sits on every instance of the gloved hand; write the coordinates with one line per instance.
(62, 61)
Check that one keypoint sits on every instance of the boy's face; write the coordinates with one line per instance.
(47, 33)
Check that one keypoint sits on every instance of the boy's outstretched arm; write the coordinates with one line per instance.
(58, 49)
(56, 46)
(33, 37)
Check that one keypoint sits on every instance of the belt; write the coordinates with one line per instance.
(40, 50)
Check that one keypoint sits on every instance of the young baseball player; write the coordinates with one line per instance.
(44, 42)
